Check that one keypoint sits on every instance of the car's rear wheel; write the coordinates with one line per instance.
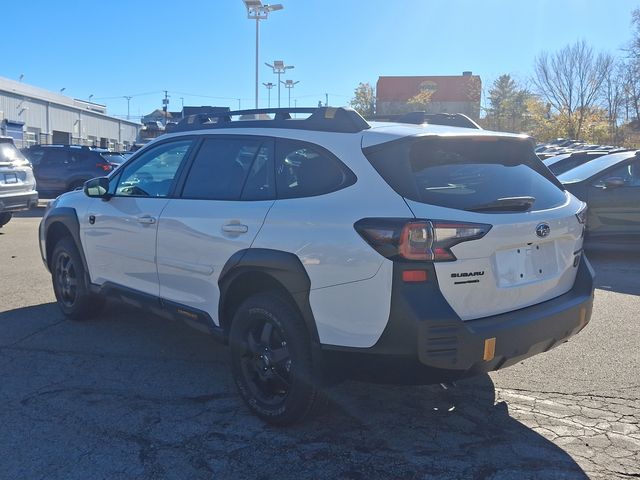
(271, 360)
(4, 218)
(70, 283)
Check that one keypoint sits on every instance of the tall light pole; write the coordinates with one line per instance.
(279, 68)
(128, 98)
(289, 84)
(269, 86)
(257, 11)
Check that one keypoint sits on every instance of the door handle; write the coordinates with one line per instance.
(235, 228)
(146, 220)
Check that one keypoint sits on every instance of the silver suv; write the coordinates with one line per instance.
(17, 183)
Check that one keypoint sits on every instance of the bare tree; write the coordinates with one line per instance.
(571, 80)
(614, 95)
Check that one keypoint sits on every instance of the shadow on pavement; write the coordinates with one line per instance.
(33, 213)
(131, 395)
(616, 271)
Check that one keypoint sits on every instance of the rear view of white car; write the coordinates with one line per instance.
(328, 247)
(17, 183)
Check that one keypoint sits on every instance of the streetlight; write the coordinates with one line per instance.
(289, 84)
(128, 98)
(279, 68)
(257, 11)
(269, 86)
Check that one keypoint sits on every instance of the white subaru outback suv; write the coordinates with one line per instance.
(326, 247)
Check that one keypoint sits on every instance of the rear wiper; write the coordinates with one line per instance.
(506, 204)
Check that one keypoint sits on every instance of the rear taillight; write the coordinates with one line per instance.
(107, 167)
(420, 240)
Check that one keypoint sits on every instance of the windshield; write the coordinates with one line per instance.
(10, 154)
(589, 169)
(478, 174)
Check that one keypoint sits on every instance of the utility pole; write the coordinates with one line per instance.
(182, 105)
(326, 99)
(165, 107)
(128, 98)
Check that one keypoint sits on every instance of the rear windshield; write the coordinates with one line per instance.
(10, 154)
(113, 157)
(468, 173)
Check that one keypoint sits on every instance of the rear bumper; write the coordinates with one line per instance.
(19, 201)
(426, 342)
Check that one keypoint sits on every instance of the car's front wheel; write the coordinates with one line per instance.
(70, 283)
(271, 360)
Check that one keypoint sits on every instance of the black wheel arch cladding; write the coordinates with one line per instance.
(68, 218)
(285, 268)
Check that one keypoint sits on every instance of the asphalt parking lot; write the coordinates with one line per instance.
(128, 395)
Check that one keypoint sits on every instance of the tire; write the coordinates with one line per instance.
(271, 360)
(70, 282)
(4, 218)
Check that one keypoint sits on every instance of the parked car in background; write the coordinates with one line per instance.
(566, 161)
(17, 182)
(610, 185)
(114, 158)
(60, 168)
(563, 146)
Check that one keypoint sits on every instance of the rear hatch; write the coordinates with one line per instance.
(527, 240)
(16, 175)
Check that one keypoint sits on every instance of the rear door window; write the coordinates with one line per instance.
(476, 174)
(304, 170)
(223, 166)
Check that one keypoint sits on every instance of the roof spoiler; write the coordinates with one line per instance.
(419, 118)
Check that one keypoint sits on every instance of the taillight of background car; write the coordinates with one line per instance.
(107, 167)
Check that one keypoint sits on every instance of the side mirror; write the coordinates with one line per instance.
(97, 187)
(613, 182)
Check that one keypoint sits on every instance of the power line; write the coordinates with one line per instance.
(136, 95)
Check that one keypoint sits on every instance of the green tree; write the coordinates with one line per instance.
(507, 105)
(364, 100)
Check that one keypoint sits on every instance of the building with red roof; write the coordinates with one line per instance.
(449, 94)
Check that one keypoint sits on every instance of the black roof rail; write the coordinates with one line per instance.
(418, 118)
(324, 119)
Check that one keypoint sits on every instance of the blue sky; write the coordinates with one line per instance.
(200, 48)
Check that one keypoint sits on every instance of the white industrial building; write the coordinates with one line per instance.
(32, 115)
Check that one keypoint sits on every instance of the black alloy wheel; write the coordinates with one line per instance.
(266, 362)
(271, 360)
(70, 282)
(66, 278)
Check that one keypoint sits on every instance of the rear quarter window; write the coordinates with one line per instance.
(305, 170)
(465, 173)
